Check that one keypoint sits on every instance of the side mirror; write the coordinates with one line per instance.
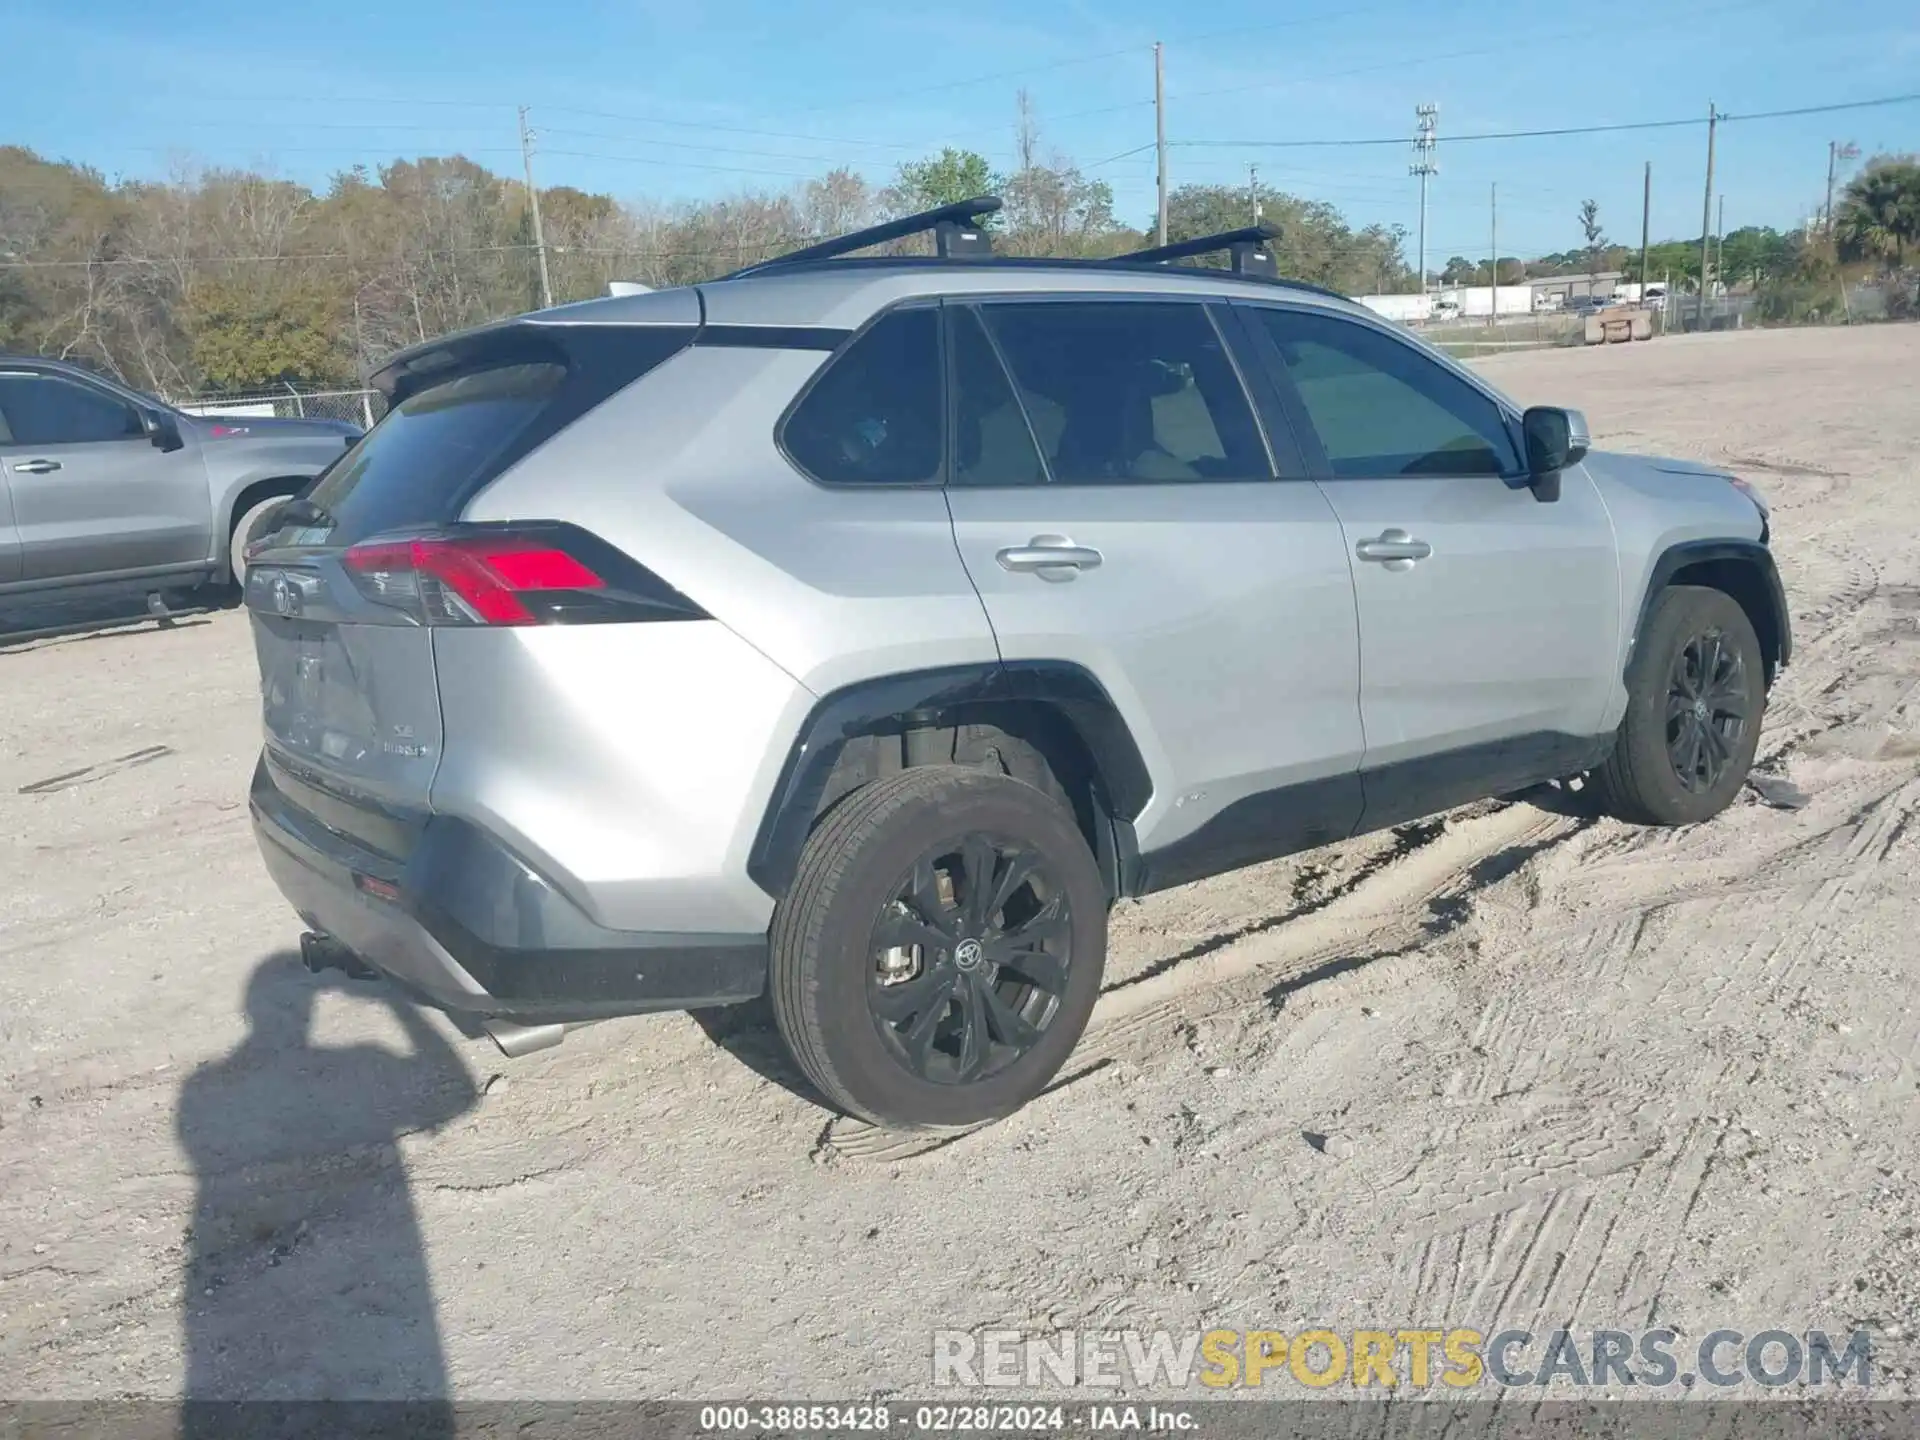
(162, 430)
(1555, 439)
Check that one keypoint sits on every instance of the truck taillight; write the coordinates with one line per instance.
(536, 574)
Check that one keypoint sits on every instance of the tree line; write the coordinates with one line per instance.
(222, 280)
(1874, 231)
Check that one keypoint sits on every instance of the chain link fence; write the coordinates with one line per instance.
(361, 407)
(1464, 339)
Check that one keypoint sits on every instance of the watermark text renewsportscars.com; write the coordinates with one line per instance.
(1400, 1358)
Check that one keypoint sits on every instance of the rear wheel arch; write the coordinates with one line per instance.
(1049, 724)
(251, 496)
(1741, 569)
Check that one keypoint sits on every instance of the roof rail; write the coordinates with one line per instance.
(1247, 249)
(956, 231)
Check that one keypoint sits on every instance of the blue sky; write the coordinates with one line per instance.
(693, 100)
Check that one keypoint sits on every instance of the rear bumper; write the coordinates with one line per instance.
(470, 927)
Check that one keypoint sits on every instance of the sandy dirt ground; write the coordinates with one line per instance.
(1575, 1073)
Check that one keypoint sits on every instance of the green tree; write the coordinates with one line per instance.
(943, 179)
(1879, 215)
(1753, 254)
(248, 335)
(1315, 243)
(1596, 236)
(1678, 259)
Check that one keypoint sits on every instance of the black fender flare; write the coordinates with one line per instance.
(1751, 554)
(931, 697)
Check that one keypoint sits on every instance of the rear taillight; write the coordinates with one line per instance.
(538, 574)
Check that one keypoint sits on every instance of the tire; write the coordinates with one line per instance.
(244, 532)
(1655, 776)
(891, 862)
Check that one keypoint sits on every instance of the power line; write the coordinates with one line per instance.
(729, 129)
(168, 261)
(306, 256)
(1123, 155)
(1345, 143)
(1423, 60)
(1724, 119)
(687, 145)
(1199, 38)
(683, 164)
(1136, 49)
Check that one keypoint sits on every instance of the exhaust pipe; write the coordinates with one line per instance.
(517, 1040)
(323, 952)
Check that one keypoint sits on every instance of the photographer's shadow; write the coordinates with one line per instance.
(306, 1273)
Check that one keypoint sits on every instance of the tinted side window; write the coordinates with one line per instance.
(1118, 391)
(1382, 408)
(47, 410)
(873, 418)
(991, 442)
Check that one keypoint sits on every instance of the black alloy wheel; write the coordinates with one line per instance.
(969, 958)
(1696, 696)
(1708, 704)
(939, 953)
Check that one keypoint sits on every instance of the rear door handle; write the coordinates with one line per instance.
(1395, 549)
(1051, 557)
(35, 467)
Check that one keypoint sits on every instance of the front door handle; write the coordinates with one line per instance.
(36, 467)
(1051, 557)
(1395, 549)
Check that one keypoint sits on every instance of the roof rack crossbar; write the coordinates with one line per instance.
(956, 232)
(1249, 251)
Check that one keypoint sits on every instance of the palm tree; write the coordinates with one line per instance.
(1880, 213)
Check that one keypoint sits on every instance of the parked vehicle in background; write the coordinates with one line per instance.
(860, 630)
(103, 488)
(1652, 297)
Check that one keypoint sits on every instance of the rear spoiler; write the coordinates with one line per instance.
(535, 335)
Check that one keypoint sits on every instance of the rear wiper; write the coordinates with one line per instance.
(304, 513)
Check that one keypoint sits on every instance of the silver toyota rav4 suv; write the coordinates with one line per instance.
(860, 630)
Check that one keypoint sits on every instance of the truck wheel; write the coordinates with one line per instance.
(246, 530)
(1696, 691)
(940, 950)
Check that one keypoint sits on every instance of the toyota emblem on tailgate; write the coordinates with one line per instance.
(285, 592)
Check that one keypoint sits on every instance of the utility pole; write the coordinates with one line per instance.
(1837, 150)
(1493, 256)
(1160, 138)
(1253, 190)
(533, 200)
(1646, 211)
(1426, 123)
(1706, 217)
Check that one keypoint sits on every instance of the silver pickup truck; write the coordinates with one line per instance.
(104, 489)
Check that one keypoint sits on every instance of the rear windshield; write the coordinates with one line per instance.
(446, 441)
(414, 467)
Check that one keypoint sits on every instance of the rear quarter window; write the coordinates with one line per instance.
(873, 417)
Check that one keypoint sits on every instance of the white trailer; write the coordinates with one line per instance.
(1480, 300)
(1407, 309)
